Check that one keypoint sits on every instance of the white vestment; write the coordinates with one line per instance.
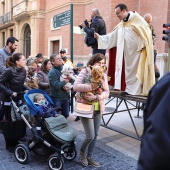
(129, 45)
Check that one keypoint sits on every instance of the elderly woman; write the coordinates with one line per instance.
(43, 76)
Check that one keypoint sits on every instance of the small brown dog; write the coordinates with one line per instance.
(32, 83)
(31, 70)
(96, 79)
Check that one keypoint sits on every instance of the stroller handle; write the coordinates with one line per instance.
(19, 93)
(12, 101)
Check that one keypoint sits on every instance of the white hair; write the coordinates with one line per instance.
(97, 11)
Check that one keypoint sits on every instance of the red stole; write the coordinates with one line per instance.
(111, 69)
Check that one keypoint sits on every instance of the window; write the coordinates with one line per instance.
(3, 38)
(11, 32)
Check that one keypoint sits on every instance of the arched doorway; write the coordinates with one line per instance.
(27, 41)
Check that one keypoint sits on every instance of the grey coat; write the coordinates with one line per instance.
(43, 81)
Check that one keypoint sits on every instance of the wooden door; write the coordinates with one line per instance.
(56, 47)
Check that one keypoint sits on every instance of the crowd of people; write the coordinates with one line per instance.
(45, 74)
(132, 69)
(18, 75)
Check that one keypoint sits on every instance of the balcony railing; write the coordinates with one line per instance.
(5, 18)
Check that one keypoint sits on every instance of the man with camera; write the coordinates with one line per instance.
(97, 25)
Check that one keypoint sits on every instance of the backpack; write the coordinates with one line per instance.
(90, 41)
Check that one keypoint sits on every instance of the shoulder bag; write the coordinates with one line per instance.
(84, 110)
(90, 41)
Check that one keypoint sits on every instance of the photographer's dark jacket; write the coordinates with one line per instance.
(97, 25)
(12, 80)
(155, 145)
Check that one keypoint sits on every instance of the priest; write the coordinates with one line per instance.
(131, 58)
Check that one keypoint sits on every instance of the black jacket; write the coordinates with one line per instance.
(12, 80)
(155, 145)
(97, 25)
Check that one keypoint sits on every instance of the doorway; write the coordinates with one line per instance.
(27, 41)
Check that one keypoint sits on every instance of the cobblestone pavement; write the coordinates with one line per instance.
(109, 158)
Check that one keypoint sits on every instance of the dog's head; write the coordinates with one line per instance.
(31, 70)
(32, 83)
(97, 73)
(67, 70)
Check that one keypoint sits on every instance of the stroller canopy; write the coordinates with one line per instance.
(29, 99)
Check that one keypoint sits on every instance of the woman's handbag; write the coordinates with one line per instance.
(15, 116)
(83, 110)
(24, 110)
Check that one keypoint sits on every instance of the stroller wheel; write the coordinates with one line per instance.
(69, 152)
(55, 163)
(22, 153)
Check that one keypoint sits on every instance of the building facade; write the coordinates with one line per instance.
(34, 23)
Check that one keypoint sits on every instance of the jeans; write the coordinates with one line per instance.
(95, 50)
(64, 104)
(91, 128)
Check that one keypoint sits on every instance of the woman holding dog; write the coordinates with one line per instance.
(91, 126)
(12, 84)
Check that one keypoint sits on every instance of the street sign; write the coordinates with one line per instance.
(61, 19)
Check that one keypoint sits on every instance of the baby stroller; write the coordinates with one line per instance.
(56, 139)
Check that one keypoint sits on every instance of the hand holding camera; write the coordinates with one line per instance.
(83, 24)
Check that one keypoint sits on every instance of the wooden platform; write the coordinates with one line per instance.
(120, 94)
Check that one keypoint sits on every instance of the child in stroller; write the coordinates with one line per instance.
(56, 134)
(43, 106)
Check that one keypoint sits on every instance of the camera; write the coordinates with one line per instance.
(80, 26)
(86, 23)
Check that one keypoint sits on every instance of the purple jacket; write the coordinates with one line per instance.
(80, 87)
